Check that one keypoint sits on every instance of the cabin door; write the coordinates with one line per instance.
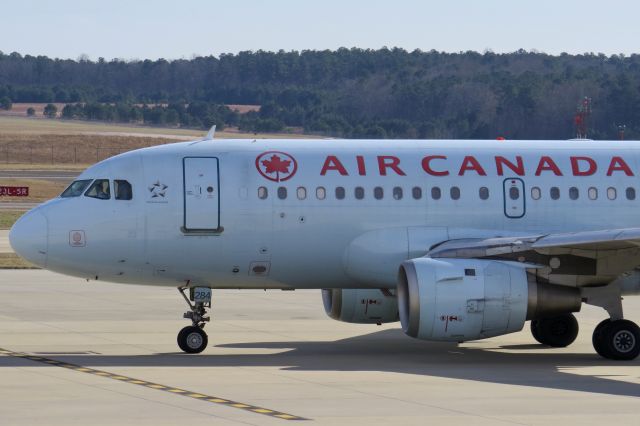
(514, 203)
(201, 194)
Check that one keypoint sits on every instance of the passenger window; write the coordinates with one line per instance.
(263, 193)
(301, 193)
(514, 193)
(122, 189)
(436, 193)
(593, 193)
(554, 192)
(454, 192)
(99, 189)
(321, 193)
(611, 193)
(631, 193)
(378, 193)
(282, 192)
(397, 193)
(76, 188)
(536, 193)
(574, 193)
(359, 192)
(416, 192)
(340, 193)
(483, 193)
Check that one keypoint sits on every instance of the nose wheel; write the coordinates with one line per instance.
(193, 339)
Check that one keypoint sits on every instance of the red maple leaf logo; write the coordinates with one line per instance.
(278, 163)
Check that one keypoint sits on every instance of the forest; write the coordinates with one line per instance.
(353, 93)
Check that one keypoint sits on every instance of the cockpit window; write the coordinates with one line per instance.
(76, 188)
(122, 188)
(99, 189)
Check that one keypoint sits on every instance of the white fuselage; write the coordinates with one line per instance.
(234, 227)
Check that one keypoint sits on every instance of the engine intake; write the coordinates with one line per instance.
(469, 299)
(362, 306)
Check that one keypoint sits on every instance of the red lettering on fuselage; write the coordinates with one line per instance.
(389, 162)
(546, 163)
(426, 165)
(470, 163)
(441, 165)
(362, 170)
(575, 166)
(517, 168)
(618, 164)
(332, 163)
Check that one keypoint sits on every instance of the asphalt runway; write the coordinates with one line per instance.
(77, 353)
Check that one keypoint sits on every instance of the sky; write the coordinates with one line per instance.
(171, 29)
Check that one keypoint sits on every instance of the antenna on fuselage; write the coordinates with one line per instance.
(209, 136)
(211, 133)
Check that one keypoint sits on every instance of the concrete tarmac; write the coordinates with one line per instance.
(105, 354)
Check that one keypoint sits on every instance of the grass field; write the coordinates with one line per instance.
(9, 217)
(22, 125)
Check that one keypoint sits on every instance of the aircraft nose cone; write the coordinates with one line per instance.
(29, 237)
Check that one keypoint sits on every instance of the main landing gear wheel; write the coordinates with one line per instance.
(192, 339)
(558, 332)
(617, 340)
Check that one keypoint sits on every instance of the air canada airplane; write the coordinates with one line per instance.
(458, 240)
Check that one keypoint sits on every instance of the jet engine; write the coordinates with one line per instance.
(469, 299)
(362, 306)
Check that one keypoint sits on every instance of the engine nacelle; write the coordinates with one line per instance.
(469, 299)
(362, 306)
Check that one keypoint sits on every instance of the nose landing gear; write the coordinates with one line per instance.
(192, 339)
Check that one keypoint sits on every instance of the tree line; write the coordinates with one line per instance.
(354, 93)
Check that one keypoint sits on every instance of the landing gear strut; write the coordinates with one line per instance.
(557, 332)
(192, 339)
(614, 338)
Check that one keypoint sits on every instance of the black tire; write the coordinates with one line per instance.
(557, 332)
(622, 340)
(598, 338)
(192, 339)
(534, 331)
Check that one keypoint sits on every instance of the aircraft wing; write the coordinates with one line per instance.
(576, 258)
(610, 239)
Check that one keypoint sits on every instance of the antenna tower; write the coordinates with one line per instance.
(582, 118)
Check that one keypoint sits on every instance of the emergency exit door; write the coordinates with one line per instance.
(201, 194)
(514, 202)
